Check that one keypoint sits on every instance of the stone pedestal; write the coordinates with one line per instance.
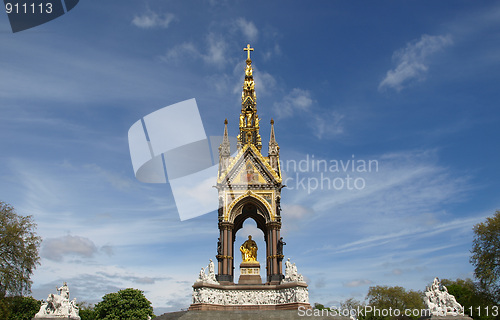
(56, 318)
(285, 296)
(250, 273)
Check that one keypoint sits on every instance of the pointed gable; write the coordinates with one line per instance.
(249, 167)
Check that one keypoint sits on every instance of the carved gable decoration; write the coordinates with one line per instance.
(250, 168)
(248, 174)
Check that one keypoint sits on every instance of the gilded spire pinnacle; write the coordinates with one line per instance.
(249, 120)
(248, 49)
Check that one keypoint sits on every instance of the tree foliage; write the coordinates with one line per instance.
(19, 246)
(18, 308)
(486, 253)
(127, 304)
(392, 298)
(476, 302)
(352, 304)
(23, 308)
(320, 306)
(87, 311)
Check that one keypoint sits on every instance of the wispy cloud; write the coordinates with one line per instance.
(358, 283)
(276, 51)
(297, 100)
(248, 29)
(56, 248)
(152, 19)
(180, 51)
(412, 61)
(216, 53)
(328, 124)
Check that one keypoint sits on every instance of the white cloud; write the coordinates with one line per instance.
(153, 20)
(180, 51)
(397, 272)
(216, 53)
(56, 248)
(274, 51)
(328, 124)
(248, 29)
(296, 211)
(358, 283)
(118, 181)
(412, 61)
(296, 100)
(264, 83)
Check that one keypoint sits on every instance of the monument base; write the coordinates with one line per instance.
(250, 315)
(250, 273)
(56, 317)
(447, 317)
(284, 296)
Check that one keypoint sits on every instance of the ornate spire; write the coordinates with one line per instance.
(225, 146)
(274, 149)
(249, 120)
(224, 150)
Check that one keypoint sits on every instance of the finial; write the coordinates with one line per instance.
(248, 49)
(225, 121)
(272, 121)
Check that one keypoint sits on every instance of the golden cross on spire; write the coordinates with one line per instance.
(248, 49)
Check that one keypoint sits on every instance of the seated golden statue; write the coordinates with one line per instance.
(249, 250)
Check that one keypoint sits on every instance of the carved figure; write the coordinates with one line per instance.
(440, 302)
(249, 250)
(281, 243)
(278, 205)
(59, 306)
(210, 278)
(219, 247)
(202, 276)
(241, 120)
(291, 273)
(288, 269)
(211, 271)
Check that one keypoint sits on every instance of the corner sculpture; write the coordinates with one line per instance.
(210, 278)
(58, 306)
(440, 302)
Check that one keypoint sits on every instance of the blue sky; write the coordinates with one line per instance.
(412, 85)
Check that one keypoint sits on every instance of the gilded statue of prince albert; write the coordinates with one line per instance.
(249, 250)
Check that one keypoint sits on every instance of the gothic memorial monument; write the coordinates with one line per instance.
(249, 186)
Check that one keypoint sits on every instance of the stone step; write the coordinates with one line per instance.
(246, 315)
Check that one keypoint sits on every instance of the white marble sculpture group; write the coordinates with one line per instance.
(291, 274)
(440, 302)
(210, 278)
(58, 306)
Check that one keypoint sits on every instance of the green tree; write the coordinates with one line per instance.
(471, 297)
(127, 304)
(87, 311)
(19, 246)
(320, 306)
(353, 306)
(486, 254)
(23, 308)
(393, 298)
